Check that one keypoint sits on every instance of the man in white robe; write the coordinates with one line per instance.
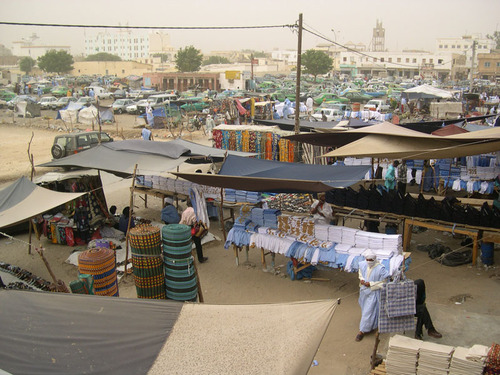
(372, 275)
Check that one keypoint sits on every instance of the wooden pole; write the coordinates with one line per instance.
(297, 88)
(374, 353)
(198, 284)
(31, 159)
(131, 205)
(59, 284)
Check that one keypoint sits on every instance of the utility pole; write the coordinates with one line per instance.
(471, 74)
(297, 89)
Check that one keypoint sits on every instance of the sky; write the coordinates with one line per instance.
(408, 24)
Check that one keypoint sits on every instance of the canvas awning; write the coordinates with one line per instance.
(427, 92)
(449, 130)
(152, 158)
(274, 176)
(78, 334)
(23, 200)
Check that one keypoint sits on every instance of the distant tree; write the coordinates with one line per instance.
(216, 60)
(26, 64)
(316, 62)
(103, 56)
(56, 62)
(256, 54)
(496, 38)
(188, 59)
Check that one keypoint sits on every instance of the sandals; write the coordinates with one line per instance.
(360, 336)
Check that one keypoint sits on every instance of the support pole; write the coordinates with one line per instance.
(131, 205)
(297, 89)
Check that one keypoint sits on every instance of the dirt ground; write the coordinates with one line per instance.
(464, 301)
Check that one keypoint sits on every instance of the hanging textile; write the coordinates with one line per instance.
(238, 142)
(232, 141)
(269, 145)
(253, 145)
(217, 136)
(225, 140)
(275, 146)
(245, 141)
(401, 298)
(397, 324)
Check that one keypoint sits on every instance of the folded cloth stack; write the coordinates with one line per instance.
(402, 355)
(321, 232)
(254, 197)
(230, 195)
(258, 216)
(241, 196)
(462, 365)
(434, 359)
(271, 217)
(335, 234)
(349, 236)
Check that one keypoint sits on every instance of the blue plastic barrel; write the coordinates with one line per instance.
(487, 249)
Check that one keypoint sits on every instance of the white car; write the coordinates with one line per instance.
(376, 105)
(331, 114)
(47, 102)
(133, 108)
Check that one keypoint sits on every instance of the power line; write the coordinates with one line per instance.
(148, 27)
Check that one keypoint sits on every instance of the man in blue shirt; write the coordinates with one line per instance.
(147, 135)
(169, 214)
(123, 223)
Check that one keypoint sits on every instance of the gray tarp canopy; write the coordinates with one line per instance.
(23, 199)
(152, 158)
(59, 333)
(427, 92)
(274, 176)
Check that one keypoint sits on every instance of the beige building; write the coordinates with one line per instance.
(118, 69)
(488, 65)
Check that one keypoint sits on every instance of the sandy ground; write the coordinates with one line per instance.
(464, 301)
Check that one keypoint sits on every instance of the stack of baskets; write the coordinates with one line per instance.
(101, 264)
(180, 274)
(145, 242)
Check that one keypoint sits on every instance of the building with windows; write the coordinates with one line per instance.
(129, 45)
(488, 66)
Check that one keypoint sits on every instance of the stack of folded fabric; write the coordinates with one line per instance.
(383, 254)
(377, 241)
(295, 225)
(254, 197)
(461, 365)
(271, 217)
(434, 359)
(362, 239)
(307, 226)
(335, 234)
(148, 181)
(402, 355)
(349, 236)
(284, 223)
(393, 242)
(321, 232)
(156, 182)
(230, 195)
(241, 196)
(258, 216)
(170, 184)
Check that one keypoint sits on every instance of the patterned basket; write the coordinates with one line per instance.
(100, 263)
(145, 239)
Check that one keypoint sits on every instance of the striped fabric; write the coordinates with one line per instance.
(401, 298)
(388, 325)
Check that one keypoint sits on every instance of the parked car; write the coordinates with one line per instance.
(21, 98)
(120, 105)
(357, 96)
(73, 143)
(377, 105)
(7, 95)
(86, 101)
(328, 97)
(133, 109)
(336, 105)
(155, 101)
(330, 113)
(62, 102)
(59, 91)
(100, 92)
(46, 102)
(193, 105)
(120, 94)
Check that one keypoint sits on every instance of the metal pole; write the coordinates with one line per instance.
(297, 89)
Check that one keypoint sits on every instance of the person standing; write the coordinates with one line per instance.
(210, 124)
(402, 177)
(372, 276)
(422, 314)
(150, 118)
(322, 212)
(309, 105)
(188, 217)
(323, 116)
(390, 176)
(147, 134)
(169, 214)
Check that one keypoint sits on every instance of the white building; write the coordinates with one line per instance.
(464, 46)
(28, 47)
(289, 56)
(129, 45)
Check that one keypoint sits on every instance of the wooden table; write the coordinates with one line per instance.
(162, 194)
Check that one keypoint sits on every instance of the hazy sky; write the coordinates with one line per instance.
(408, 24)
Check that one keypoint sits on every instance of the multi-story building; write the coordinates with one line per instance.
(28, 47)
(129, 45)
(488, 66)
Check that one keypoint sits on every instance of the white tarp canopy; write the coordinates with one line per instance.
(23, 199)
(427, 92)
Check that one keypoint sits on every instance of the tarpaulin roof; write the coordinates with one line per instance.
(152, 158)
(449, 130)
(274, 176)
(61, 176)
(427, 92)
(23, 199)
(78, 334)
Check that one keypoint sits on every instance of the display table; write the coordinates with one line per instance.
(162, 194)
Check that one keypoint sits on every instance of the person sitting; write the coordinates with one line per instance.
(422, 314)
(169, 214)
(124, 219)
(322, 212)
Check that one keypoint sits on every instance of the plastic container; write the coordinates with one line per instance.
(487, 250)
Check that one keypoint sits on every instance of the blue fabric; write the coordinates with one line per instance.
(123, 223)
(390, 178)
(169, 215)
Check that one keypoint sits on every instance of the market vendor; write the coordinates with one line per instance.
(124, 219)
(169, 214)
(322, 212)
